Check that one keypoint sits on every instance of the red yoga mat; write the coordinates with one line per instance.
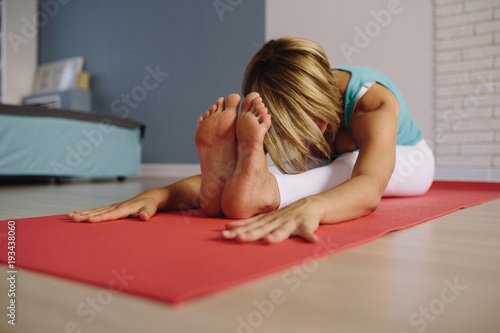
(177, 256)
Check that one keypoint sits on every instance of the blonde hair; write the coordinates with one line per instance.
(294, 78)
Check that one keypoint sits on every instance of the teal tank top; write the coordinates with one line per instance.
(408, 132)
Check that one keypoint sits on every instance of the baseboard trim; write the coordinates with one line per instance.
(183, 170)
(468, 174)
(169, 170)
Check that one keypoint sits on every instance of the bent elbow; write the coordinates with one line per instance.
(372, 205)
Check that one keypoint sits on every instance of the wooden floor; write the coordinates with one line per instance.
(439, 276)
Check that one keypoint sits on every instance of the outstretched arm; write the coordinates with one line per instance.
(376, 131)
(180, 195)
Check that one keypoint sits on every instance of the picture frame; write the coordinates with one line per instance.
(58, 75)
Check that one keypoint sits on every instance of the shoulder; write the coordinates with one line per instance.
(342, 78)
(376, 97)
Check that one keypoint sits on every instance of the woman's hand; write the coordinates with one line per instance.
(184, 193)
(301, 219)
(142, 206)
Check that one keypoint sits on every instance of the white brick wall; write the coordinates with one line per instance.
(467, 84)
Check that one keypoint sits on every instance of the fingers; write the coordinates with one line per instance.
(252, 230)
(309, 236)
(281, 233)
(113, 214)
(143, 209)
(304, 231)
(99, 214)
(83, 215)
(272, 228)
(144, 216)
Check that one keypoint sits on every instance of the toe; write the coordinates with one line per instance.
(265, 119)
(260, 109)
(256, 104)
(233, 103)
(220, 104)
(248, 101)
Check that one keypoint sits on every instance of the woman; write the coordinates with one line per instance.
(339, 140)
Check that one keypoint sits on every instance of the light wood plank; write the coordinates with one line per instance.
(380, 286)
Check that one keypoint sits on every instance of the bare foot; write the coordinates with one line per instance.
(215, 140)
(252, 189)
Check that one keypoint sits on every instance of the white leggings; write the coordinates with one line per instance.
(413, 175)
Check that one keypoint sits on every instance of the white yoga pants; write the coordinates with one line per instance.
(413, 175)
